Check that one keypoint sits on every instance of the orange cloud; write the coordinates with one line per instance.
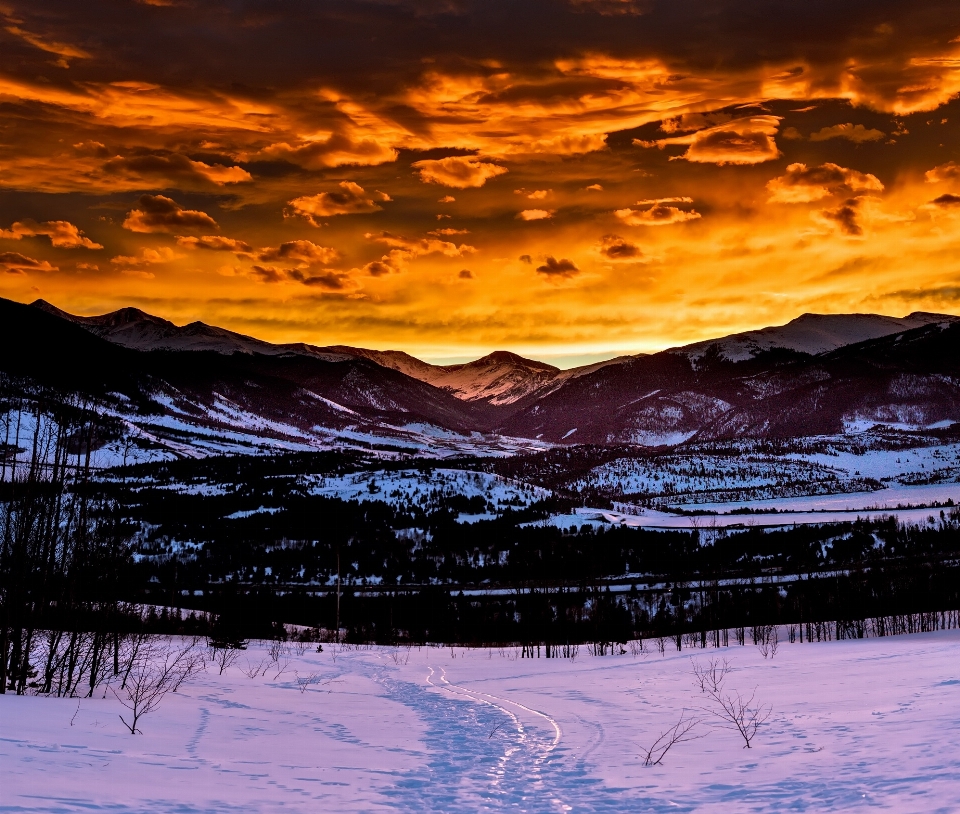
(458, 171)
(351, 200)
(658, 213)
(337, 150)
(417, 247)
(15, 263)
(175, 168)
(536, 195)
(215, 243)
(856, 133)
(147, 257)
(802, 184)
(157, 213)
(300, 251)
(448, 232)
(945, 172)
(60, 49)
(62, 234)
(536, 214)
(740, 141)
(405, 249)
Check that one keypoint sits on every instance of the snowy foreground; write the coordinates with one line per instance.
(855, 725)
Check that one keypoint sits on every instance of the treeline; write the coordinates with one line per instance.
(248, 548)
(64, 547)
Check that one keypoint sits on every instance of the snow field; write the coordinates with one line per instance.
(702, 478)
(855, 725)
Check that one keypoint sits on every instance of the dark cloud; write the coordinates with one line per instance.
(465, 274)
(378, 268)
(945, 172)
(526, 258)
(157, 213)
(268, 274)
(15, 263)
(856, 133)
(302, 251)
(946, 200)
(330, 280)
(176, 169)
(615, 247)
(612, 8)
(846, 217)
(216, 243)
(558, 268)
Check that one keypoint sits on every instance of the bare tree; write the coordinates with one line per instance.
(680, 732)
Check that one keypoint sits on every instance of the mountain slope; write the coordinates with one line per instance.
(910, 378)
(810, 333)
(500, 378)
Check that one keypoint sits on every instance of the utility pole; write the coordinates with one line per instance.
(338, 593)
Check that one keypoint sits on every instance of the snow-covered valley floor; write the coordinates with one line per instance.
(857, 725)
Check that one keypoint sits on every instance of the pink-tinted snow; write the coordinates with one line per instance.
(858, 725)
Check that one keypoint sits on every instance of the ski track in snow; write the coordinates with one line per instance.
(856, 725)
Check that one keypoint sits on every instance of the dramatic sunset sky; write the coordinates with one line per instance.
(559, 178)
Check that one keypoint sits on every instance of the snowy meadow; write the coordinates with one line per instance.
(862, 724)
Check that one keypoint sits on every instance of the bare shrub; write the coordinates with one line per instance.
(729, 706)
(709, 677)
(224, 657)
(160, 668)
(680, 732)
(401, 655)
(304, 682)
(732, 708)
(253, 669)
(767, 640)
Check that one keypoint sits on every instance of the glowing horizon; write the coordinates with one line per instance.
(557, 178)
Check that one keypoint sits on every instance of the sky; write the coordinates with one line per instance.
(567, 179)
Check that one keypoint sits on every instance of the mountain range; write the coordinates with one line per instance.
(200, 389)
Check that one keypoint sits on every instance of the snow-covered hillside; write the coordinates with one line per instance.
(853, 725)
(832, 466)
(812, 334)
(428, 489)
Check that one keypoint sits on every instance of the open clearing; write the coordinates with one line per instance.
(856, 725)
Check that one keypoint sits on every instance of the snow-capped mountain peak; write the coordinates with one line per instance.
(811, 334)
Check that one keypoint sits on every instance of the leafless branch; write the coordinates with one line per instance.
(709, 677)
(680, 732)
